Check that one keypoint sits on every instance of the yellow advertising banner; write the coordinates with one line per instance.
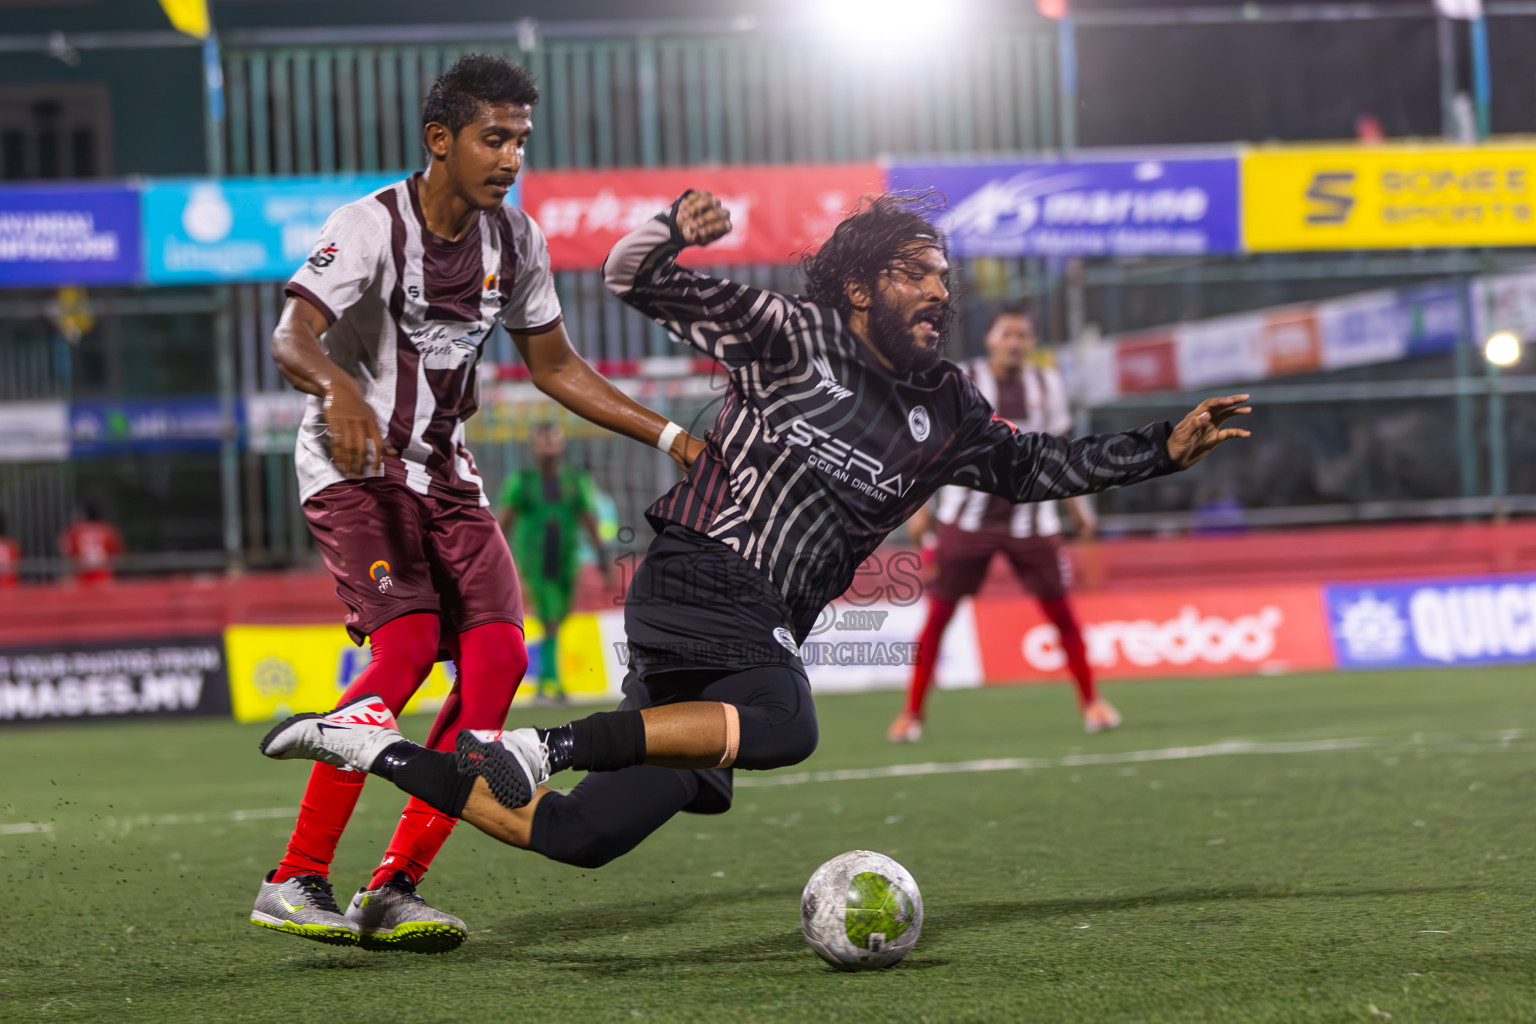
(275, 671)
(1389, 197)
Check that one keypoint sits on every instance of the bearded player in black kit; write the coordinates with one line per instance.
(841, 420)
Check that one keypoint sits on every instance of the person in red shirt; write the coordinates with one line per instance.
(91, 545)
(10, 557)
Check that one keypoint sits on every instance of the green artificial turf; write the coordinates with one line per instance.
(1386, 881)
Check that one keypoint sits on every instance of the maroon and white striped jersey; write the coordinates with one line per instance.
(1038, 404)
(409, 313)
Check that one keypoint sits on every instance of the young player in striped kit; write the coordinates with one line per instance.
(383, 329)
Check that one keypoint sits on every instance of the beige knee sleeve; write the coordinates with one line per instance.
(732, 735)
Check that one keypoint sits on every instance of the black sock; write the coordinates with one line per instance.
(429, 775)
(604, 742)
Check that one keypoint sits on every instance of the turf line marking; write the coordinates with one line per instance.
(148, 820)
(1009, 764)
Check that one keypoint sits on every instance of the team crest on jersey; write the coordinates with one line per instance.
(379, 573)
(786, 640)
(917, 422)
(491, 294)
(323, 256)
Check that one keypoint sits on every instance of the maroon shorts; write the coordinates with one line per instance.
(394, 552)
(962, 558)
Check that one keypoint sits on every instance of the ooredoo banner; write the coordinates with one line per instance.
(775, 211)
(1196, 631)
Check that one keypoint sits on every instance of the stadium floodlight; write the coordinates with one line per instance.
(881, 25)
(1502, 349)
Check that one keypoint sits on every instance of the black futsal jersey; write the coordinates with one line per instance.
(818, 451)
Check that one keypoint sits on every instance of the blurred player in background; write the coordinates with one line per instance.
(841, 420)
(404, 286)
(10, 557)
(973, 526)
(542, 506)
(91, 545)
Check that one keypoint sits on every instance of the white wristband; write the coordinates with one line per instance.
(668, 435)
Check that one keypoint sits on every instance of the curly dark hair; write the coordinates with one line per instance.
(882, 231)
(474, 80)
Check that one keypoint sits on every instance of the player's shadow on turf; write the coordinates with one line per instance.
(974, 915)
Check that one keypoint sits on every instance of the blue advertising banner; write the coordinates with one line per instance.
(193, 423)
(75, 235)
(1485, 620)
(200, 230)
(1146, 207)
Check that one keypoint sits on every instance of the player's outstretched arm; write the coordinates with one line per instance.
(563, 375)
(357, 447)
(1023, 466)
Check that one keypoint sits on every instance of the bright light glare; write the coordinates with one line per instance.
(881, 23)
(1503, 349)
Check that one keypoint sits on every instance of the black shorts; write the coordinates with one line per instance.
(697, 608)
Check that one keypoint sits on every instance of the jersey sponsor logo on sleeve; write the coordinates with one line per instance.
(918, 423)
(323, 256)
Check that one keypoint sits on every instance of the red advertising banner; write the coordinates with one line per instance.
(1217, 631)
(1148, 362)
(776, 211)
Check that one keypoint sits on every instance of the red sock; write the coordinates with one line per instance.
(1060, 613)
(940, 612)
(328, 803)
(403, 653)
(492, 660)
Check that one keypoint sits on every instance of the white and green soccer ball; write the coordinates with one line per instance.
(861, 911)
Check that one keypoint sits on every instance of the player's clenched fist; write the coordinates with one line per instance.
(702, 219)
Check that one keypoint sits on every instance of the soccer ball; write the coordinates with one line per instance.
(861, 911)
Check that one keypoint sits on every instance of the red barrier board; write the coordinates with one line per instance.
(1217, 631)
(775, 211)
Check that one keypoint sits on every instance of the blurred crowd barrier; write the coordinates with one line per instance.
(266, 645)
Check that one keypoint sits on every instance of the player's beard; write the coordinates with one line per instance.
(896, 335)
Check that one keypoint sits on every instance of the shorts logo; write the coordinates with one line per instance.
(917, 422)
(379, 572)
(786, 640)
(324, 256)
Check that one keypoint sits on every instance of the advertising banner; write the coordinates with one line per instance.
(276, 671)
(1147, 207)
(69, 235)
(272, 420)
(200, 230)
(34, 431)
(178, 676)
(775, 211)
(1505, 302)
(1398, 624)
(145, 425)
(1222, 351)
(1194, 631)
(1388, 197)
(1147, 362)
